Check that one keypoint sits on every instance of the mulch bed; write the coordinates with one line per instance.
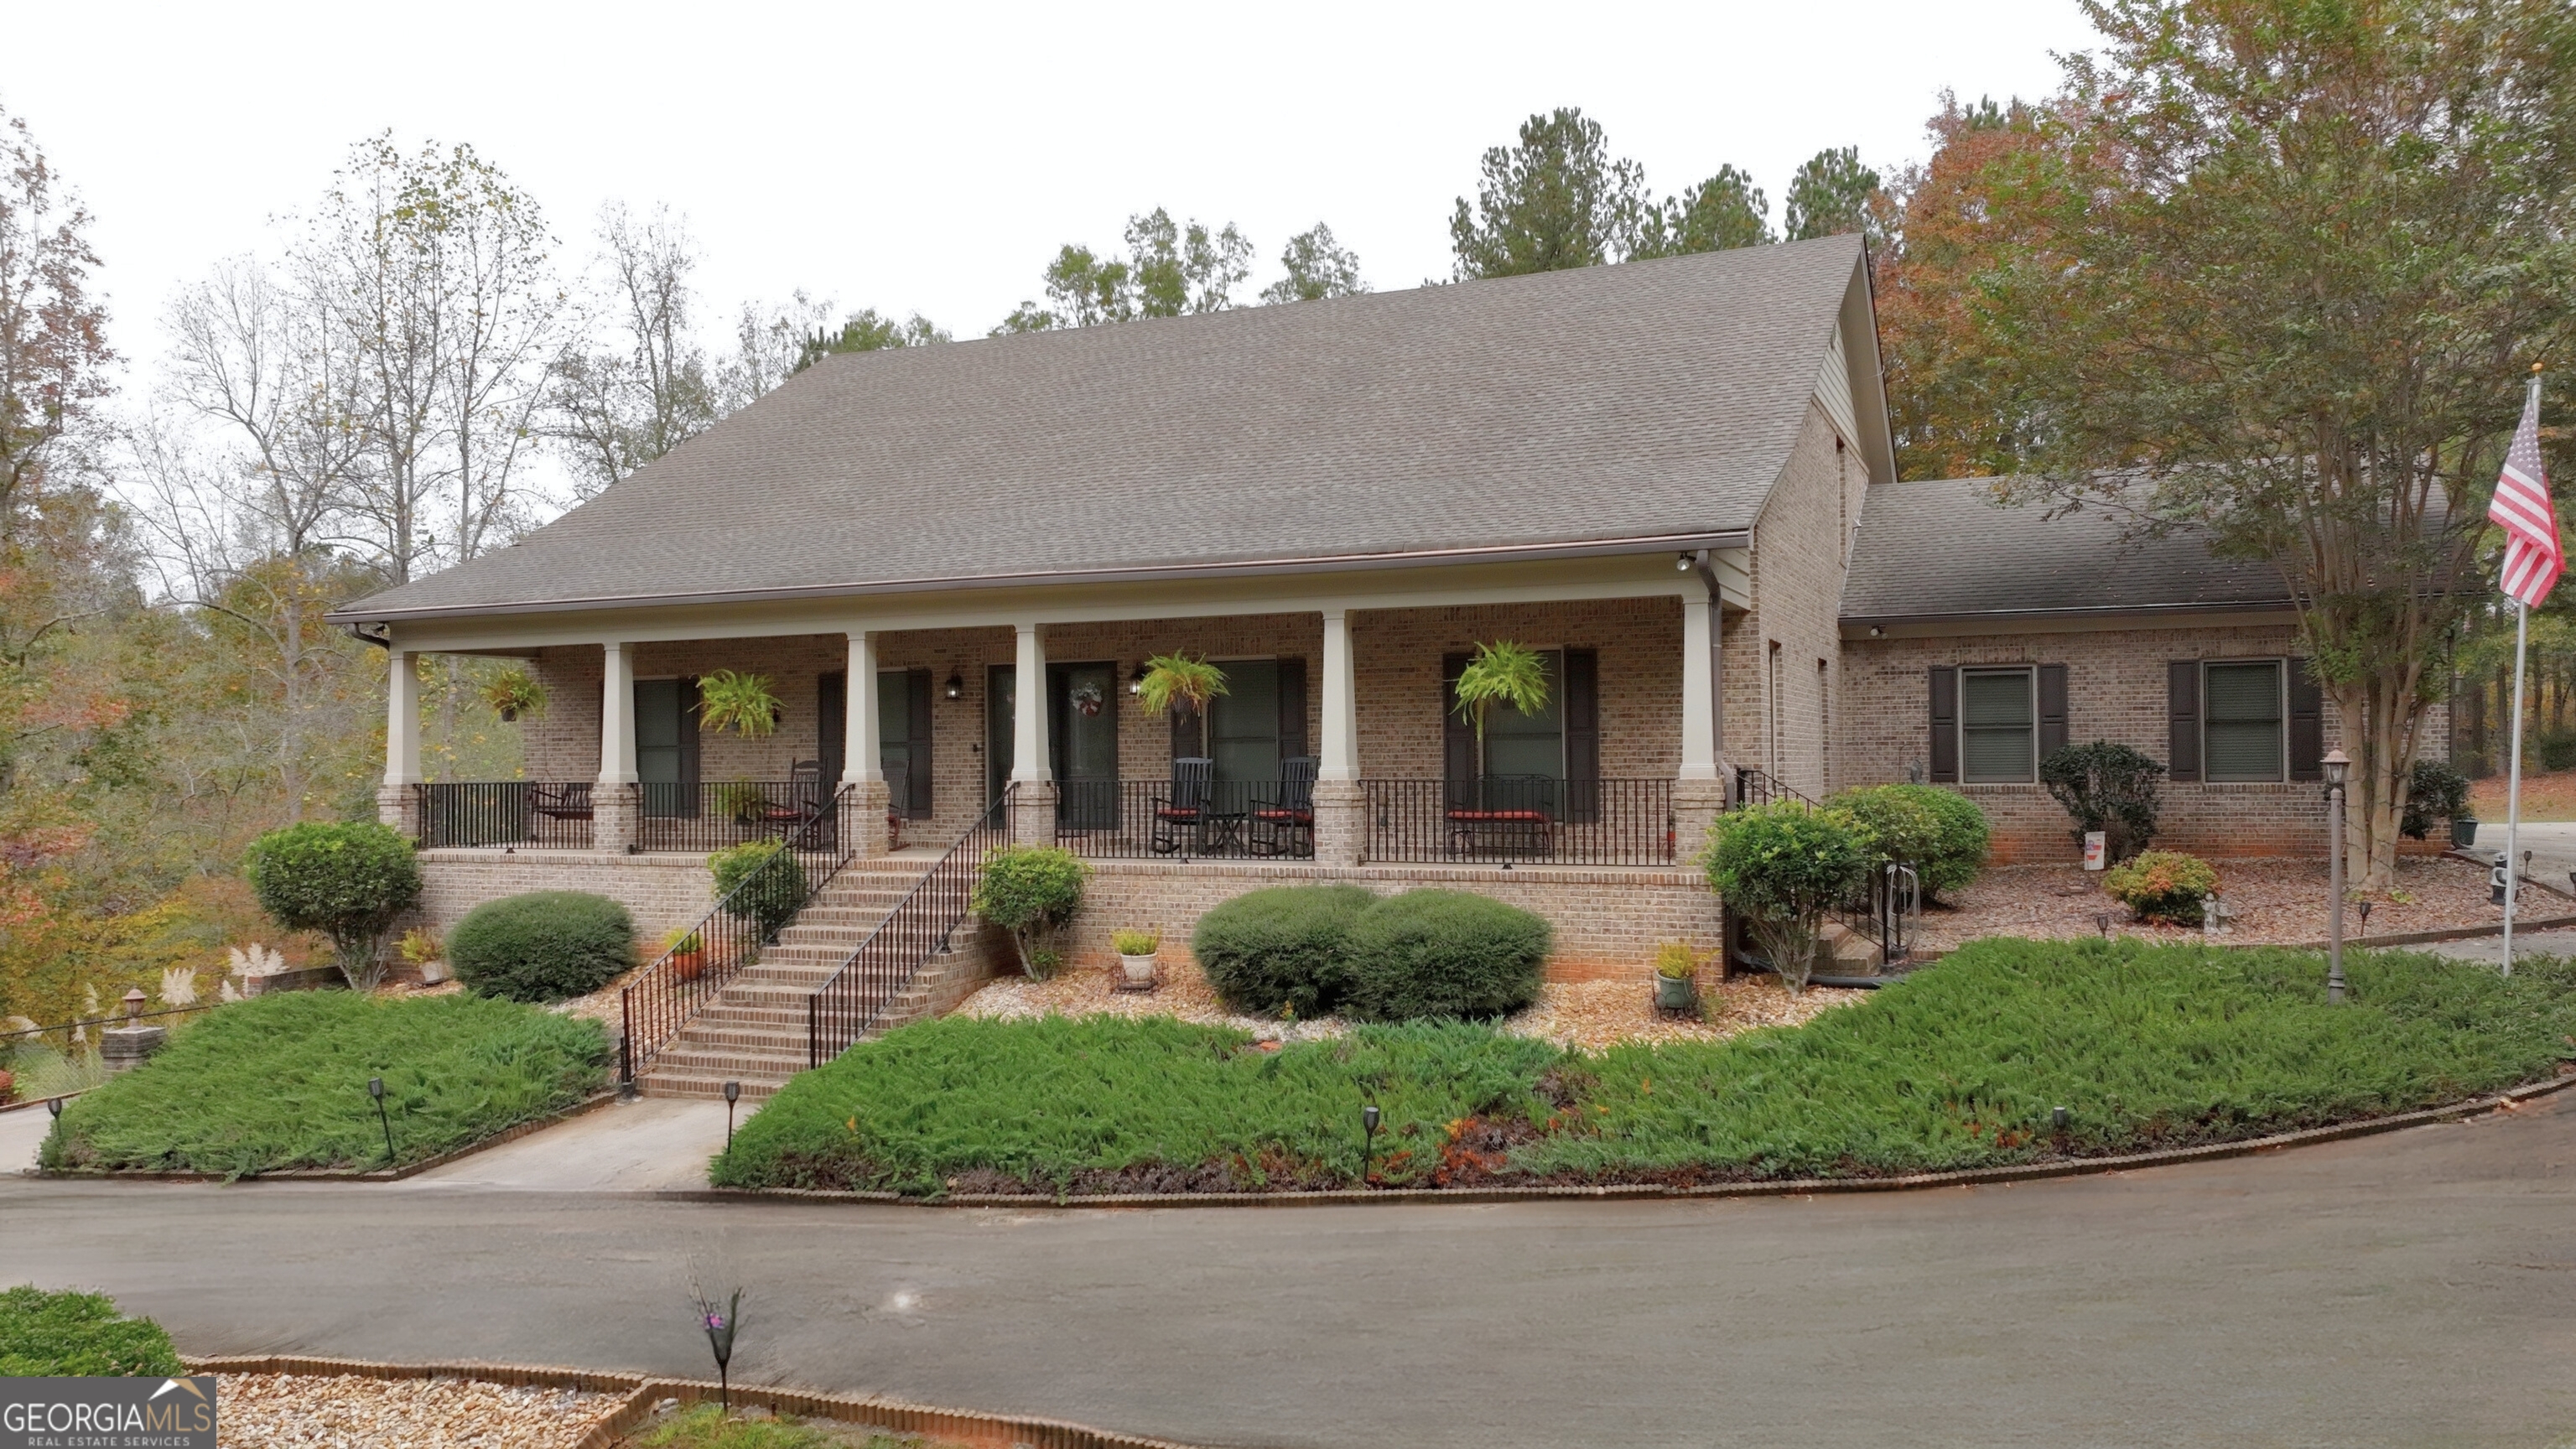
(2276, 902)
(346, 1411)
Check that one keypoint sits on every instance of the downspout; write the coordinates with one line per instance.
(359, 632)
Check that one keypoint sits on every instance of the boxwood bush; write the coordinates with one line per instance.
(1941, 832)
(348, 881)
(542, 946)
(776, 881)
(1435, 953)
(1281, 948)
(1032, 892)
(78, 1335)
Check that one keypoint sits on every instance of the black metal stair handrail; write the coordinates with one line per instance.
(1884, 913)
(848, 1003)
(689, 973)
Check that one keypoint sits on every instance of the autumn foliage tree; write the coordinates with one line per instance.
(2283, 270)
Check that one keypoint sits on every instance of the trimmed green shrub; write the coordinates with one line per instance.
(78, 1335)
(2434, 791)
(1941, 832)
(1432, 953)
(348, 881)
(280, 1081)
(1032, 892)
(542, 946)
(1284, 947)
(2106, 787)
(1782, 867)
(760, 881)
(2556, 749)
(2162, 885)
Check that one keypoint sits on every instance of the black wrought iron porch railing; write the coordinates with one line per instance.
(1157, 820)
(658, 1000)
(1503, 820)
(713, 814)
(514, 814)
(919, 927)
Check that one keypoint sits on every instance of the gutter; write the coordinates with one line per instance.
(2097, 611)
(1330, 563)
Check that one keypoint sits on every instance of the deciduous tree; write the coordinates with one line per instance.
(1317, 267)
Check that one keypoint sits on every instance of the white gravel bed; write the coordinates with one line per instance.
(300, 1411)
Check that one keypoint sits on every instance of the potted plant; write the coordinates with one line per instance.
(1136, 955)
(1676, 978)
(1179, 685)
(743, 703)
(514, 692)
(687, 953)
(423, 952)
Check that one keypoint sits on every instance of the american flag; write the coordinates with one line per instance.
(2532, 558)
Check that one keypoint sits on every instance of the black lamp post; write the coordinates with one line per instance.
(733, 1094)
(376, 1089)
(2337, 764)
(1368, 1139)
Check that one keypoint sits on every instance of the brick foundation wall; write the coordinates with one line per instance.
(664, 892)
(2116, 690)
(1608, 923)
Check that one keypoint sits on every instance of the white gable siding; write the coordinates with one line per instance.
(1833, 388)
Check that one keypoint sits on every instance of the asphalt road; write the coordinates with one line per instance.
(2413, 1289)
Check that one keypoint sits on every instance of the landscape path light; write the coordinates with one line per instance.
(1369, 1120)
(733, 1094)
(2337, 764)
(376, 1089)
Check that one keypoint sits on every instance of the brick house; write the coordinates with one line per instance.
(1673, 477)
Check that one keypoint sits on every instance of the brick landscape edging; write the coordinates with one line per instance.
(320, 1174)
(1785, 1187)
(643, 1393)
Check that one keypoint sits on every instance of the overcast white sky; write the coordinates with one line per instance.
(931, 158)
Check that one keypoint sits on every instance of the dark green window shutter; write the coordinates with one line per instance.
(2307, 723)
(1945, 725)
(1582, 723)
(1292, 708)
(2052, 709)
(832, 725)
(917, 775)
(1458, 764)
(2182, 712)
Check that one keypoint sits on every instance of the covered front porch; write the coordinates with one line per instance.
(1336, 741)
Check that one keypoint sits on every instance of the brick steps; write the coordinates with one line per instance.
(754, 1031)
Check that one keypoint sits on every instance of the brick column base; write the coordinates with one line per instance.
(1696, 806)
(1341, 822)
(399, 807)
(1033, 812)
(616, 812)
(866, 818)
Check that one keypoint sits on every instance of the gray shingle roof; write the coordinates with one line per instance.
(1649, 400)
(1944, 550)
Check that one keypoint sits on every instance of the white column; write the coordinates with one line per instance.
(1699, 689)
(860, 754)
(617, 717)
(402, 717)
(1339, 759)
(1028, 721)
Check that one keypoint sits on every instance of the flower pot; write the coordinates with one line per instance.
(2464, 832)
(1139, 971)
(688, 965)
(1675, 993)
(510, 715)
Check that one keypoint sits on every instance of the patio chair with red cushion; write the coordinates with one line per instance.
(1181, 818)
(1284, 823)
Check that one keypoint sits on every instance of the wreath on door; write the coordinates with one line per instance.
(1087, 699)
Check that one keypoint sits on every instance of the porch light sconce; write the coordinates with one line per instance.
(1876, 632)
(1136, 681)
(1682, 565)
(956, 686)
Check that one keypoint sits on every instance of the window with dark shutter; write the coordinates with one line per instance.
(1457, 736)
(2307, 723)
(2052, 709)
(1998, 726)
(1945, 725)
(2182, 714)
(2241, 724)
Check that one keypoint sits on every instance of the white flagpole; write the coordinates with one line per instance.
(2513, 779)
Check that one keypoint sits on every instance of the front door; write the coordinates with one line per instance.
(1082, 738)
(1082, 735)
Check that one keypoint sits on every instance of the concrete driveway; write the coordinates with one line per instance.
(2411, 1289)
